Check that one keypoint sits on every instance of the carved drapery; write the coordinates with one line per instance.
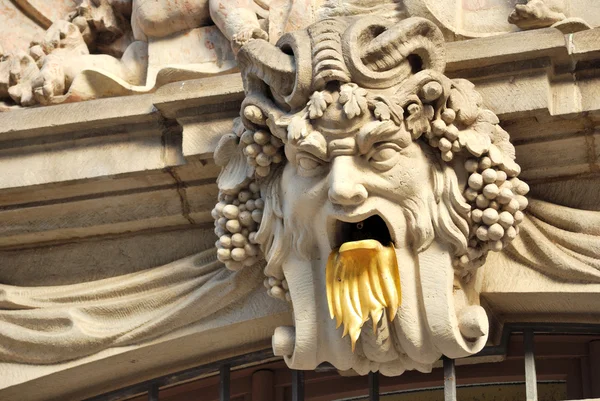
(43, 325)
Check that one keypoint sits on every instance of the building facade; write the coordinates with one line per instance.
(307, 199)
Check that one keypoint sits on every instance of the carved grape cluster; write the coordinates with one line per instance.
(495, 194)
(497, 199)
(262, 149)
(445, 135)
(237, 218)
(277, 288)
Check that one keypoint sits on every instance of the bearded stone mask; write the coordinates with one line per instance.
(370, 187)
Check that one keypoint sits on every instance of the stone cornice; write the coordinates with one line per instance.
(141, 165)
(67, 152)
(545, 73)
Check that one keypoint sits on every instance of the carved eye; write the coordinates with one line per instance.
(308, 165)
(384, 156)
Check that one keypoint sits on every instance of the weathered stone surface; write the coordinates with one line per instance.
(100, 189)
(22, 20)
(248, 327)
(519, 295)
(114, 48)
(100, 256)
(313, 119)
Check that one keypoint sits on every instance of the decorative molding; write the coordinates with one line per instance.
(105, 48)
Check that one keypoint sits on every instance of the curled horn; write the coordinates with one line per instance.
(263, 63)
(285, 68)
(380, 56)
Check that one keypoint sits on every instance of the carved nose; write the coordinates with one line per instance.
(344, 187)
(347, 193)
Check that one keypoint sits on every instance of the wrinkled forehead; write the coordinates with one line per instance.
(327, 144)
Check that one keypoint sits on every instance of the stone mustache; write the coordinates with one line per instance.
(351, 137)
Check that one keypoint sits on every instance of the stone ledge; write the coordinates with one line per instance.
(148, 125)
(41, 122)
(200, 96)
(513, 47)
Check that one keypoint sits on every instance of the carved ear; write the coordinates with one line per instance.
(381, 56)
(235, 175)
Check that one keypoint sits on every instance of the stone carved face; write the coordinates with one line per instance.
(375, 152)
(354, 187)
(352, 178)
(353, 181)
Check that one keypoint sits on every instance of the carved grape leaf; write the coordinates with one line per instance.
(465, 101)
(511, 167)
(476, 143)
(298, 129)
(495, 155)
(488, 116)
(228, 144)
(501, 139)
(354, 99)
(385, 108)
(225, 149)
(484, 128)
(418, 122)
(481, 132)
(382, 111)
(318, 104)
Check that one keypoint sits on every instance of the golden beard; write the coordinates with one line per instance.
(362, 279)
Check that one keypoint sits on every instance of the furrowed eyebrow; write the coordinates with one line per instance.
(342, 146)
(376, 132)
(313, 149)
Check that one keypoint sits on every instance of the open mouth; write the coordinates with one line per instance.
(362, 276)
(371, 228)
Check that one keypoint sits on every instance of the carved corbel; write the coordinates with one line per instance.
(373, 186)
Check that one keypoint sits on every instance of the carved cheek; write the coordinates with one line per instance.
(399, 183)
(415, 168)
(408, 178)
(301, 194)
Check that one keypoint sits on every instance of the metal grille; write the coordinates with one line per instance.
(449, 382)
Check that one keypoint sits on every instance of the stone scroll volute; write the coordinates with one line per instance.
(370, 187)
